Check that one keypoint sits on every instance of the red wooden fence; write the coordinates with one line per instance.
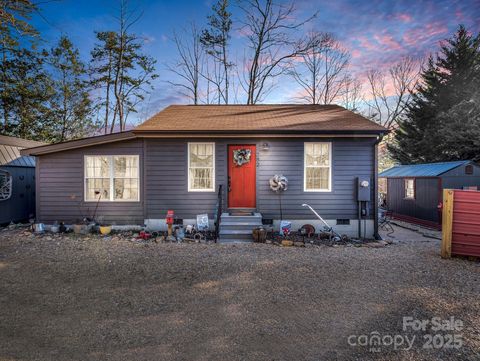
(461, 223)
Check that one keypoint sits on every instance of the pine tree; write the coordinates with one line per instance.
(102, 66)
(448, 84)
(121, 70)
(28, 100)
(215, 39)
(14, 30)
(70, 114)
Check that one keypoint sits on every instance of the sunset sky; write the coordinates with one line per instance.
(377, 33)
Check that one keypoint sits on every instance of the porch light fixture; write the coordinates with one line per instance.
(265, 146)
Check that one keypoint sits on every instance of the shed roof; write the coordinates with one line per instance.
(272, 118)
(422, 170)
(10, 148)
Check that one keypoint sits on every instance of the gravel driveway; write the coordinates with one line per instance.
(79, 298)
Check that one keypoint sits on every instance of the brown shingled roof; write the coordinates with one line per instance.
(258, 119)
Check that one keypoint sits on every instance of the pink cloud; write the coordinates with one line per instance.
(426, 34)
(388, 42)
(356, 53)
(459, 15)
(366, 43)
(403, 17)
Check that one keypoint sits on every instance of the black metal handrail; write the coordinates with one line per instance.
(218, 211)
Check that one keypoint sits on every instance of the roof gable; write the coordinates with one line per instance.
(422, 170)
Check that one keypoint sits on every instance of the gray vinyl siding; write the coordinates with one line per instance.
(167, 188)
(424, 206)
(164, 180)
(167, 179)
(60, 186)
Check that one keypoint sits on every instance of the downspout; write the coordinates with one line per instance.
(375, 187)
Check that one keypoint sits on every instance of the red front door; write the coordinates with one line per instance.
(241, 176)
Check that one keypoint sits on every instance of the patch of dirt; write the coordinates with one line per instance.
(93, 298)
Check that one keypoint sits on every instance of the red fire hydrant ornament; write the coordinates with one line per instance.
(169, 220)
(170, 216)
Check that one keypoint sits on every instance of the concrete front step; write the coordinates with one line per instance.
(236, 231)
(230, 224)
(232, 237)
(235, 240)
(238, 228)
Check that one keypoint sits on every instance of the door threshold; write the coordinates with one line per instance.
(241, 211)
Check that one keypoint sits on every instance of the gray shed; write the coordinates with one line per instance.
(414, 192)
(17, 175)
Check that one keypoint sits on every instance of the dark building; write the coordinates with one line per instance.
(414, 192)
(17, 180)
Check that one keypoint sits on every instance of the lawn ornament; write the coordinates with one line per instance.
(241, 156)
(285, 228)
(169, 220)
(279, 184)
(202, 222)
(144, 235)
(334, 236)
(307, 230)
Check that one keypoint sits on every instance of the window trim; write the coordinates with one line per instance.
(405, 181)
(112, 178)
(469, 169)
(330, 151)
(190, 189)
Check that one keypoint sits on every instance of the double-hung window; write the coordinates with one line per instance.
(318, 167)
(409, 188)
(112, 178)
(201, 167)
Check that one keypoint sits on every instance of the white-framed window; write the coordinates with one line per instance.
(317, 167)
(112, 178)
(409, 188)
(201, 167)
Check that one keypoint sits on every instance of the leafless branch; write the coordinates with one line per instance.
(390, 91)
(271, 47)
(189, 64)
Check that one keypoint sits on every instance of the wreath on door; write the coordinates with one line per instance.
(241, 156)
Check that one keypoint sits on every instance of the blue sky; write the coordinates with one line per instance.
(376, 32)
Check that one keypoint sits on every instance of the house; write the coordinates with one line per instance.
(414, 192)
(17, 180)
(178, 159)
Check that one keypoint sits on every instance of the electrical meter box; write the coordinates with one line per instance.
(363, 189)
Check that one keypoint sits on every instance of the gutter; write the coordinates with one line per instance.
(376, 235)
(253, 132)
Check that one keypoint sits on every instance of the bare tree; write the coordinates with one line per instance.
(322, 71)
(352, 93)
(189, 65)
(268, 27)
(390, 91)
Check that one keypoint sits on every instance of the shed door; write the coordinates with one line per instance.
(241, 176)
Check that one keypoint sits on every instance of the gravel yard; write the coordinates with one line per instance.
(88, 298)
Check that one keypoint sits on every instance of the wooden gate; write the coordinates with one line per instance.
(461, 223)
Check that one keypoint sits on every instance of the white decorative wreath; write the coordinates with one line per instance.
(242, 156)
